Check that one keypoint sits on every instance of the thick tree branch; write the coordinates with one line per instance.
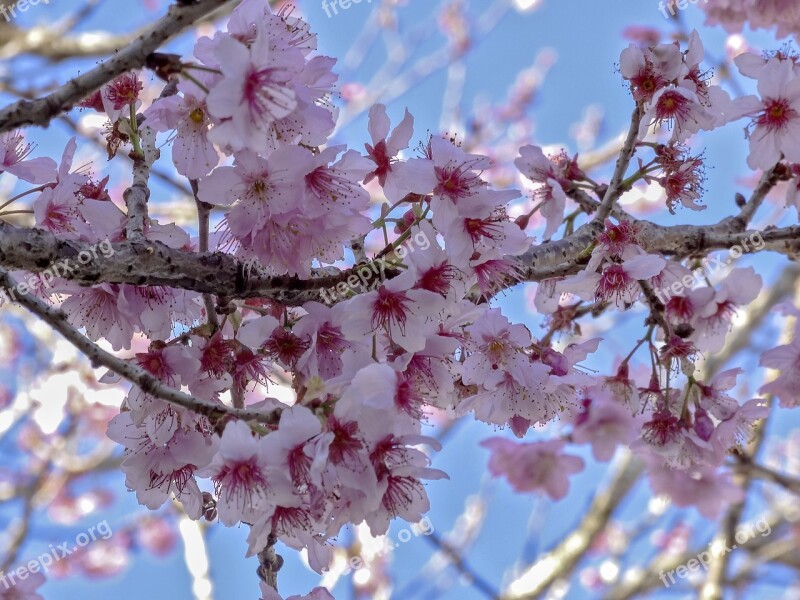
(42, 110)
(151, 263)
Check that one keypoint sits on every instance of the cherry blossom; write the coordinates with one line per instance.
(24, 589)
(605, 424)
(776, 115)
(254, 92)
(535, 166)
(193, 153)
(533, 466)
(397, 178)
(786, 359)
(246, 478)
(16, 161)
(708, 490)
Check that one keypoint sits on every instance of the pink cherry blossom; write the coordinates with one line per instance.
(605, 423)
(785, 359)
(497, 348)
(534, 165)
(617, 281)
(714, 308)
(193, 153)
(15, 159)
(678, 109)
(738, 429)
(776, 116)
(246, 480)
(534, 466)
(708, 490)
(396, 309)
(649, 69)
(156, 473)
(23, 589)
(255, 91)
(396, 177)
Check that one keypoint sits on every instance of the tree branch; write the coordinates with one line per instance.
(203, 214)
(560, 561)
(615, 189)
(460, 564)
(130, 371)
(756, 471)
(150, 263)
(137, 196)
(42, 110)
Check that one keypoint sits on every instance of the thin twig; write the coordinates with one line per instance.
(462, 566)
(42, 110)
(614, 190)
(130, 371)
(561, 561)
(203, 216)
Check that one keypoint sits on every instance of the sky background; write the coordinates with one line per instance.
(586, 38)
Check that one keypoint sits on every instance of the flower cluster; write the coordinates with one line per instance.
(673, 88)
(247, 123)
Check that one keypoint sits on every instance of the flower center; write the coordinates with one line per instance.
(777, 113)
(197, 115)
